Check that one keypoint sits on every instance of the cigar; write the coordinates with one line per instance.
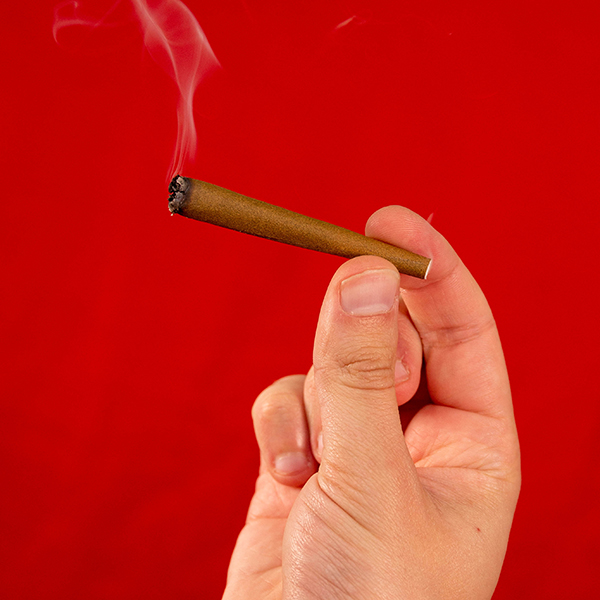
(213, 204)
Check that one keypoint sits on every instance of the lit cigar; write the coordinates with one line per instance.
(213, 204)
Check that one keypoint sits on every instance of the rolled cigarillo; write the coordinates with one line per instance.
(213, 204)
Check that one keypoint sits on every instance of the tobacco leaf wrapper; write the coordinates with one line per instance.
(213, 204)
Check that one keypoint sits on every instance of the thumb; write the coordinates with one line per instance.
(355, 356)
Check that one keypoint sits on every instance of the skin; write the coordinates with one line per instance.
(392, 469)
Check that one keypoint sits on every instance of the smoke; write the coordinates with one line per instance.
(175, 41)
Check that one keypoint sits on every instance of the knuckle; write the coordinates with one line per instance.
(272, 403)
(366, 368)
(457, 334)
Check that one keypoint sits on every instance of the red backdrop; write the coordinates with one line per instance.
(133, 344)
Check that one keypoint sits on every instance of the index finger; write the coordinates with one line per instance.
(463, 355)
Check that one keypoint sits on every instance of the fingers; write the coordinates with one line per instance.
(313, 415)
(282, 432)
(409, 356)
(465, 363)
(357, 345)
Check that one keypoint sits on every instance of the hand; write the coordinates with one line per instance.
(353, 501)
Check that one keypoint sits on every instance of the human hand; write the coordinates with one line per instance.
(416, 506)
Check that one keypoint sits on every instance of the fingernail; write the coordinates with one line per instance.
(370, 293)
(400, 372)
(291, 463)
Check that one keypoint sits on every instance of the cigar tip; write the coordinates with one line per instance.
(177, 190)
(427, 270)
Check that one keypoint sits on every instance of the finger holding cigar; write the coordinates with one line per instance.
(213, 204)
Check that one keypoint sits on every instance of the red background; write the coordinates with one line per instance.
(133, 344)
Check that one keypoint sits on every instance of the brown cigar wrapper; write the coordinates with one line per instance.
(213, 204)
